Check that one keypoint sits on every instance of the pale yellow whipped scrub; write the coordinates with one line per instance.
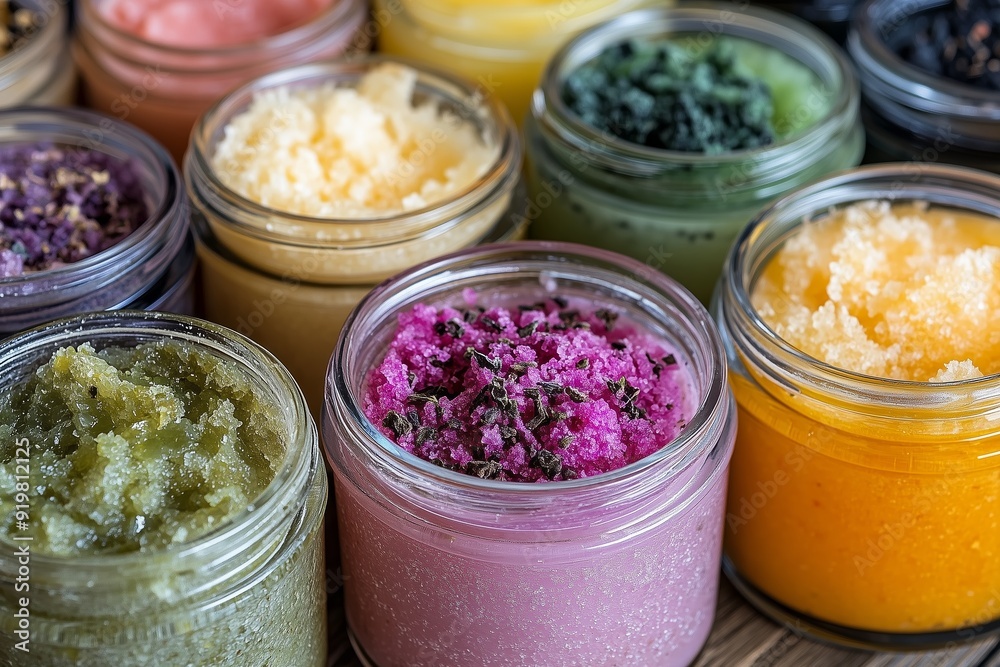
(388, 174)
(351, 152)
(898, 291)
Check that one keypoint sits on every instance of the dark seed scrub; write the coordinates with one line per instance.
(660, 134)
(60, 205)
(959, 40)
(167, 490)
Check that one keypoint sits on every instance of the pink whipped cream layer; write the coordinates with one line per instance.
(547, 391)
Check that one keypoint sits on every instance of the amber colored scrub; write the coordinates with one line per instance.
(502, 45)
(862, 521)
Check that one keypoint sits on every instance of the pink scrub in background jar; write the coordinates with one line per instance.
(159, 64)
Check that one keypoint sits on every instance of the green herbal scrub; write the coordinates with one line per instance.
(136, 449)
(663, 95)
(152, 539)
(661, 135)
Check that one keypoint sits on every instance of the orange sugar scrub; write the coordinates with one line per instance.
(901, 292)
(870, 499)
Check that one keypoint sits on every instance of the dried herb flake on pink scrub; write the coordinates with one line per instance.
(547, 391)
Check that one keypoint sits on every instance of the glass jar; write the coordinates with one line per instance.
(912, 115)
(831, 16)
(503, 48)
(251, 592)
(164, 89)
(441, 567)
(151, 268)
(41, 72)
(289, 281)
(679, 211)
(861, 510)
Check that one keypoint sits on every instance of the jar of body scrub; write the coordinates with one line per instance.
(679, 210)
(35, 63)
(915, 115)
(114, 229)
(162, 67)
(856, 312)
(288, 271)
(203, 541)
(582, 524)
(502, 46)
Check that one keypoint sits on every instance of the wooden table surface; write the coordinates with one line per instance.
(743, 638)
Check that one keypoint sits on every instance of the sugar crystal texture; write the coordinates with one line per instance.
(59, 205)
(546, 391)
(664, 95)
(135, 449)
(351, 152)
(904, 291)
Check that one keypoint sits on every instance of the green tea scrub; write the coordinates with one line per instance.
(136, 449)
(662, 146)
(136, 454)
(663, 95)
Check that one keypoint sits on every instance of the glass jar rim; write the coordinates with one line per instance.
(895, 76)
(672, 458)
(830, 11)
(16, 64)
(290, 479)
(88, 130)
(206, 186)
(336, 16)
(750, 23)
(946, 186)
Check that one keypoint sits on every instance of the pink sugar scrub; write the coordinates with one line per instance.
(549, 391)
(194, 24)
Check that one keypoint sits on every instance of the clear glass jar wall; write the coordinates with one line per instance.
(679, 212)
(441, 566)
(152, 268)
(165, 89)
(251, 592)
(911, 115)
(861, 510)
(290, 281)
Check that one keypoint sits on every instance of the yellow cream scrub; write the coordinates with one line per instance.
(337, 152)
(315, 184)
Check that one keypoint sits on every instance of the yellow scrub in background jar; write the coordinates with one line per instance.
(503, 45)
(862, 317)
(315, 183)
